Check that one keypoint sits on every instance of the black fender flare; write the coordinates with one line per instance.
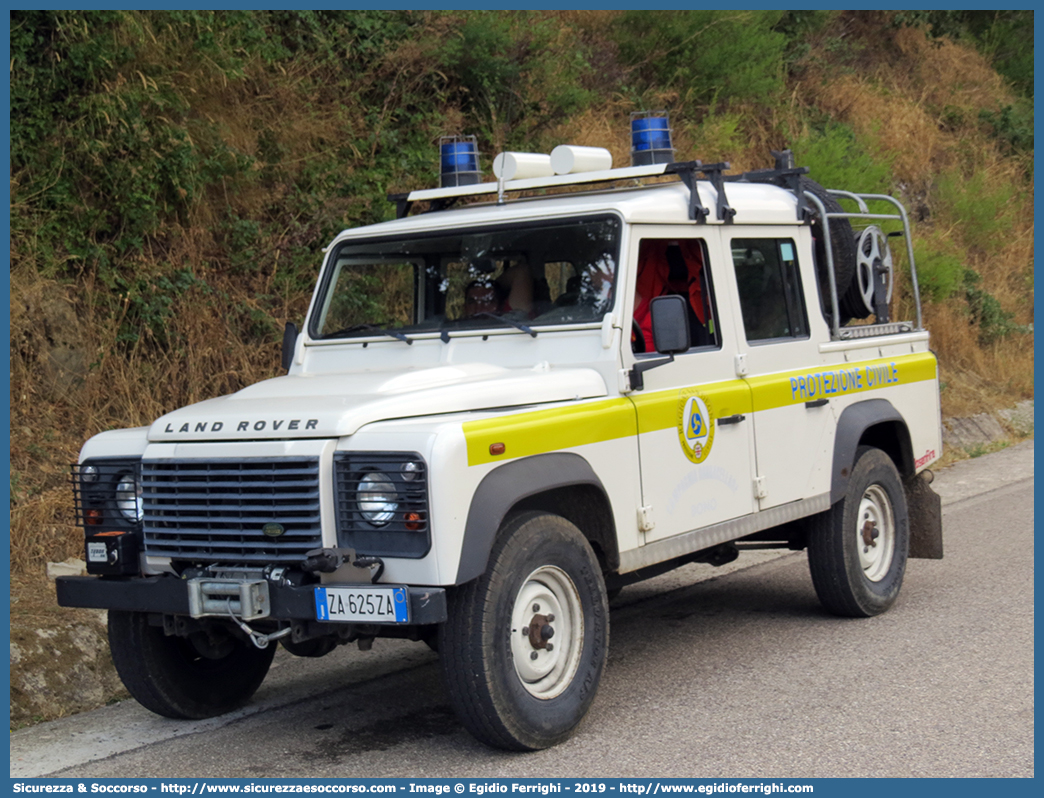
(503, 488)
(854, 421)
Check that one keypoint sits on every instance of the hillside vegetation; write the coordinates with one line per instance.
(175, 174)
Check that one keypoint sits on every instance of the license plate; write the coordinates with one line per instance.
(362, 604)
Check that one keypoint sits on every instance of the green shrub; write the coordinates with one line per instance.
(511, 72)
(149, 304)
(716, 137)
(837, 159)
(994, 322)
(940, 268)
(711, 57)
(103, 141)
(1012, 125)
(982, 210)
(115, 145)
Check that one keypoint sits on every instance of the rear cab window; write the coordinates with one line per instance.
(771, 298)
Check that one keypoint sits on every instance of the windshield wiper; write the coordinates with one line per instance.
(516, 324)
(370, 328)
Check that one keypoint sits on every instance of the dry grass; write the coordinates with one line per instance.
(894, 122)
(942, 73)
(917, 100)
(599, 126)
(56, 405)
(976, 378)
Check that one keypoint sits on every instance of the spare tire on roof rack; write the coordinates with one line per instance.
(873, 264)
(843, 247)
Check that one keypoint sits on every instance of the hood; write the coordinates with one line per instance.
(334, 405)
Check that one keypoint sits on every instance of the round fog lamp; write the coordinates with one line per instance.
(128, 499)
(378, 499)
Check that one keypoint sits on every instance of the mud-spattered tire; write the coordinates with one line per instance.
(169, 675)
(842, 245)
(507, 688)
(857, 549)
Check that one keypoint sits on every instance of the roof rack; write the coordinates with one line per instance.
(785, 175)
(442, 198)
(687, 171)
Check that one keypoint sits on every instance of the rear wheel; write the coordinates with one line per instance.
(525, 644)
(857, 549)
(205, 674)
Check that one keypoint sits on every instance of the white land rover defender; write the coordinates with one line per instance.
(500, 413)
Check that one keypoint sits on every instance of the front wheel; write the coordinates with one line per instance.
(857, 549)
(525, 644)
(203, 675)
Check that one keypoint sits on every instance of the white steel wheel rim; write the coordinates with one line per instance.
(552, 593)
(871, 248)
(875, 550)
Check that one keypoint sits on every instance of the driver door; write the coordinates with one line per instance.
(695, 434)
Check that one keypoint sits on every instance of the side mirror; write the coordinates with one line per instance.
(289, 344)
(670, 324)
(670, 332)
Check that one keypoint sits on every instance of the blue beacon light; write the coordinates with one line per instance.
(459, 161)
(651, 138)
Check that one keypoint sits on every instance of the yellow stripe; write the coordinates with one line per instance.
(551, 430)
(557, 428)
(659, 410)
(830, 382)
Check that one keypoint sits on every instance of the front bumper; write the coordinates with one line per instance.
(170, 596)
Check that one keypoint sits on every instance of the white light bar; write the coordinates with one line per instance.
(538, 182)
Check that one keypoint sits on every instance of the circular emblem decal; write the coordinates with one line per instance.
(273, 530)
(695, 428)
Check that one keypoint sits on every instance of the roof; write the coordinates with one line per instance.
(661, 203)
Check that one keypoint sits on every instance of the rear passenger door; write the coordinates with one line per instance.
(694, 433)
(793, 426)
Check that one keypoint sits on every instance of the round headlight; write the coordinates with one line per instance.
(128, 498)
(378, 499)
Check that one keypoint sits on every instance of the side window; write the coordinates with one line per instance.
(770, 293)
(675, 266)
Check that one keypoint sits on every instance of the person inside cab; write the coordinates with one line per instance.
(512, 288)
(669, 267)
(481, 296)
(516, 286)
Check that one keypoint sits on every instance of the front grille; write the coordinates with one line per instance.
(218, 511)
(404, 532)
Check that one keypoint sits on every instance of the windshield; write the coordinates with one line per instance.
(525, 276)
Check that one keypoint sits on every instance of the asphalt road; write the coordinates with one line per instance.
(711, 674)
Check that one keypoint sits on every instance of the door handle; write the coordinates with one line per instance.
(816, 403)
(736, 419)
